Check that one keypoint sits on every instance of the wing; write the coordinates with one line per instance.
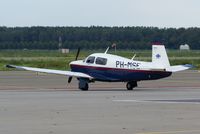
(51, 71)
(178, 68)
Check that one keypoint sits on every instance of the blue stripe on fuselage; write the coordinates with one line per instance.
(118, 74)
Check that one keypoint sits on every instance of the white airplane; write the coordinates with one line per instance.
(112, 68)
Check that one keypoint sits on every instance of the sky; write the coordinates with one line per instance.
(156, 13)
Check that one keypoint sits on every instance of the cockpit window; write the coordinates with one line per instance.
(101, 61)
(90, 59)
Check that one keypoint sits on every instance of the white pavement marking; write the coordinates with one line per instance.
(156, 101)
(172, 132)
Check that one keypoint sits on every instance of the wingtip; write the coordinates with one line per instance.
(190, 66)
(10, 66)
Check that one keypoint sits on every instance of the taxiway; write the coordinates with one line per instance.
(45, 104)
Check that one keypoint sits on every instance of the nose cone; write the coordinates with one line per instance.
(71, 64)
(74, 63)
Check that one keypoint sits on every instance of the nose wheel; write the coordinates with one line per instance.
(84, 87)
(131, 85)
(83, 84)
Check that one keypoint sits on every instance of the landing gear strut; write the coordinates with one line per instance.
(83, 84)
(131, 85)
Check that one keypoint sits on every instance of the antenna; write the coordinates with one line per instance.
(106, 50)
(133, 57)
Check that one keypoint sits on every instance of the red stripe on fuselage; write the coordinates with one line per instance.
(120, 69)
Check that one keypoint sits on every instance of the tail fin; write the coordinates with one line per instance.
(159, 56)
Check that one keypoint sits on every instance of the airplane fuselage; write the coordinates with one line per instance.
(114, 68)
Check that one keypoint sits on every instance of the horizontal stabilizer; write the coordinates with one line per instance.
(51, 71)
(179, 68)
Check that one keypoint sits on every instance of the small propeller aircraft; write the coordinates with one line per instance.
(112, 68)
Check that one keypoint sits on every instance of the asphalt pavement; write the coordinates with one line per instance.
(32, 103)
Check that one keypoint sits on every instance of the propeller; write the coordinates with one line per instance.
(69, 79)
(77, 54)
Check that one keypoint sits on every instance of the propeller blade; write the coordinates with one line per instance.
(77, 54)
(69, 79)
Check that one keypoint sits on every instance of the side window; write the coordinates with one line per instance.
(90, 59)
(101, 61)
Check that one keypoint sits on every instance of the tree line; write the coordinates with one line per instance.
(96, 37)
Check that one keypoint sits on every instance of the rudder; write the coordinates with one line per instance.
(159, 56)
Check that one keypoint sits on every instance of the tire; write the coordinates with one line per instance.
(129, 86)
(85, 88)
(83, 85)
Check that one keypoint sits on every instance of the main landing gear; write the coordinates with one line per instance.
(130, 85)
(83, 84)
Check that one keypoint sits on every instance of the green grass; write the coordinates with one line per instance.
(55, 60)
(125, 53)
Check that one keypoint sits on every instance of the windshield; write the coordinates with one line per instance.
(90, 59)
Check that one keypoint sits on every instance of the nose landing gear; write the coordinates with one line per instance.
(83, 84)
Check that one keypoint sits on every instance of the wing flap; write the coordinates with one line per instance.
(51, 71)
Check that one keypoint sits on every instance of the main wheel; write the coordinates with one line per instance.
(131, 85)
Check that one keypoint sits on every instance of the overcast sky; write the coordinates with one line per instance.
(159, 13)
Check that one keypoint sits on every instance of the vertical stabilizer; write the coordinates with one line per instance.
(159, 56)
